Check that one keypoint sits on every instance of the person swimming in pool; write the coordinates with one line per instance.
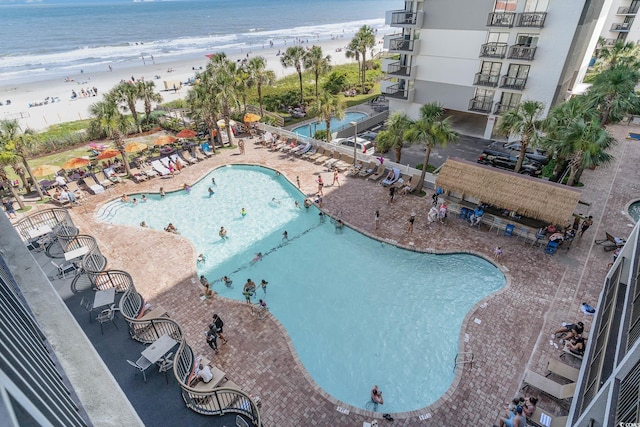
(376, 396)
(257, 258)
(223, 233)
(227, 281)
(276, 201)
(243, 212)
(211, 192)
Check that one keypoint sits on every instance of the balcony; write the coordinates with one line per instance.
(517, 83)
(503, 108)
(609, 42)
(502, 19)
(525, 53)
(493, 50)
(629, 10)
(404, 18)
(481, 104)
(531, 19)
(402, 45)
(396, 69)
(397, 91)
(622, 27)
(490, 80)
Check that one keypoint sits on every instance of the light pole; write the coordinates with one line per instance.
(355, 137)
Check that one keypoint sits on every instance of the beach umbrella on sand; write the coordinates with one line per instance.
(76, 162)
(250, 118)
(221, 124)
(164, 140)
(107, 154)
(134, 147)
(187, 133)
(45, 170)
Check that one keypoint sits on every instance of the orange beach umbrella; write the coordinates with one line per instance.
(107, 154)
(186, 133)
(134, 147)
(164, 140)
(45, 170)
(76, 162)
(250, 118)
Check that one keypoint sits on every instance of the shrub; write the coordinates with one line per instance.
(321, 135)
(335, 83)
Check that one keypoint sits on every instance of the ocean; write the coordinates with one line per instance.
(43, 39)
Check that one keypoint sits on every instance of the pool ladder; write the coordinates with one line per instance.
(462, 359)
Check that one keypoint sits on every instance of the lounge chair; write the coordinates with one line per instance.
(309, 153)
(319, 153)
(196, 155)
(183, 160)
(335, 158)
(322, 159)
(137, 176)
(367, 170)
(566, 350)
(563, 370)
(550, 387)
(204, 152)
(378, 173)
(390, 180)
(355, 170)
(543, 419)
(401, 182)
(305, 148)
(160, 168)
(611, 243)
(299, 148)
(345, 162)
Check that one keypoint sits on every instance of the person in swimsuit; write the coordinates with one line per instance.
(376, 396)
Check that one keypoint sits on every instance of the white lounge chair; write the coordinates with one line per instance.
(304, 149)
(391, 180)
(160, 168)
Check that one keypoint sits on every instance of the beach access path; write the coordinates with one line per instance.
(507, 332)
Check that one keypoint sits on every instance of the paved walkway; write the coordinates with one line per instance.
(507, 332)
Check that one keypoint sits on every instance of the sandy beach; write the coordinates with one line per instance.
(64, 109)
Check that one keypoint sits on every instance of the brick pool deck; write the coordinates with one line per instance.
(507, 332)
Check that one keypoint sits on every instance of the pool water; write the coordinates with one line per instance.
(359, 312)
(634, 211)
(336, 124)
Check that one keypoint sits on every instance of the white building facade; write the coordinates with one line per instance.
(487, 56)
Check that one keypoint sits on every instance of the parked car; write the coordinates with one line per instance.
(369, 135)
(363, 146)
(505, 160)
(536, 154)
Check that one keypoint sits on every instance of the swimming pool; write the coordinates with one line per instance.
(336, 124)
(634, 211)
(358, 311)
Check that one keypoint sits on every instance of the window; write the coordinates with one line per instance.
(498, 37)
(528, 40)
(491, 68)
(505, 6)
(485, 94)
(510, 99)
(536, 5)
(518, 71)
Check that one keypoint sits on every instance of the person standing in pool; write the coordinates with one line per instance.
(243, 212)
(376, 396)
(162, 193)
(213, 181)
(285, 235)
(248, 290)
(264, 284)
(223, 233)
(211, 192)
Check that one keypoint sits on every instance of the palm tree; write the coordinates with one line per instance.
(126, 95)
(621, 53)
(393, 135)
(524, 121)
(432, 130)
(148, 95)
(6, 182)
(202, 105)
(316, 62)
(352, 52)
(225, 89)
(12, 139)
(294, 57)
(364, 40)
(585, 145)
(327, 106)
(613, 93)
(108, 120)
(260, 76)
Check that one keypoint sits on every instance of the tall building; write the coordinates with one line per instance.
(620, 23)
(486, 56)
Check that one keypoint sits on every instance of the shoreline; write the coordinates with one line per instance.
(64, 109)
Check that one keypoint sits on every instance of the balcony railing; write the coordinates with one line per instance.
(516, 83)
(531, 19)
(397, 92)
(503, 108)
(629, 10)
(397, 69)
(525, 53)
(404, 18)
(490, 80)
(493, 50)
(481, 104)
(401, 44)
(502, 19)
(622, 27)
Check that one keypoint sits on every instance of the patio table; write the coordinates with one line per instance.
(37, 232)
(103, 298)
(159, 348)
(76, 253)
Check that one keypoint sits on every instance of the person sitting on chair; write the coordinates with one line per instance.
(203, 373)
(390, 176)
(576, 345)
(476, 216)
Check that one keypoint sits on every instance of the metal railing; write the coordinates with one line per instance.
(404, 18)
(501, 19)
(493, 50)
(396, 68)
(401, 44)
(526, 53)
(49, 217)
(531, 19)
(481, 104)
(490, 80)
(517, 83)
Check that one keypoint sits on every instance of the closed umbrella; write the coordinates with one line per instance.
(186, 133)
(250, 118)
(76, 162)
(134, 147)
(107, 154)
(164, 140)
(45, 170)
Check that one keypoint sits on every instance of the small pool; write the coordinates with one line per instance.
(336, 125)
(358, 311)
(634, 211)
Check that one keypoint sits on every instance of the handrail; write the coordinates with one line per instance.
(50, 217)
